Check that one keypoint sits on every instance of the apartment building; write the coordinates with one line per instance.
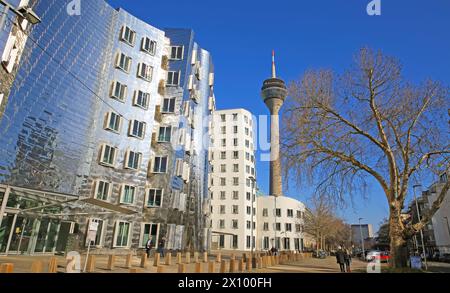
(232, 181)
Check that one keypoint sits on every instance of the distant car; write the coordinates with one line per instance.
(382, 256)
(320, 254)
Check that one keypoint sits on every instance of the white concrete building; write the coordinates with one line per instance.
(232, 180)
(280, 223)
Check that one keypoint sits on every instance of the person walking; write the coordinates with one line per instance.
(340, 259)
(161, 245)
(149, 246)
(348, 260)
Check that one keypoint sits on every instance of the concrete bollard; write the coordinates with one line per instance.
(219, 258)
(205, 257)
(249, 265)
(91, 264)
(111, 262)
(196, 257)
(241, 266)
(179, 260)
(129, 261)
(233, 257)
(144, 261)
(160, 270)
(36, 267)
(134, 271)
(232, 266)
(211, 267)
(188, 257)
(198, 267)
(223, 266)
(53, 265)
(259, 262)
(168, 260)
(7, 268)
(181, 268)
(157, 260)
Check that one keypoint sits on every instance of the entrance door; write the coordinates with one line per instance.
(5, 231)
(24, 235)
(63, 236)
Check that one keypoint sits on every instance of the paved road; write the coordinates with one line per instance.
(314, 265)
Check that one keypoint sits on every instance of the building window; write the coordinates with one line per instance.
(102, 190)
(113, 122)
(224, 130)
(221, 224)
(235, 117)
(288, 227)
(235, 142)
(122, 234)
(249, 239)
(222, 210)
(235, 155)
(248, 196)
(223, 168)
(265, 212)
(246, 119)
(145, 71)
(266, 243)
(176, 52)
(128, 194)
(148, 46)
(98, 241)
(287, 243)
(223, 181)
(297, 244)
(108, 155)
(278, 212)
(249, 210)
(247, 143)
(290, 213)
(165, 134)
(141, 99)
(247, 169)
(223, 118)
(298, 228)
(154, 198)
(149, 231)
(223, 155)
(299, 214)
(235, 129)
(249, 225)
(234, 224)
(169, 105)
(235, 167)
(222, 195)
(123, 62)
(266, 226)
(222, 241)
(248, 182)
(137, 129)
(278, 226)
(236, 181)
(118, 91)
(235, 209)
(247, 156)
(173, 78)
(160, 165)
(235, 241)
(128, 35)
(235, 195)
(247, 131)
(224, 142)
(133, 160)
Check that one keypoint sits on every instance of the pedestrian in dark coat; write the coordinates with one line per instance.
(340, 259)
(149, 246)
(348, 260)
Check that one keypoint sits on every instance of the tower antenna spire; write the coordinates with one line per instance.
(274, 70)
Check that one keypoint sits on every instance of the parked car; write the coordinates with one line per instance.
(445, 257)
(382, 256)
(320, 254)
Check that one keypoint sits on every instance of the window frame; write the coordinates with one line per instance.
(123, 91)
(122, 194)
(171, 77)
(123, 38)
(131, 129)
(103, 148)
(118, 120)
(177, 48)
(145, 72)
(161, 160)
(127, 160)
(150, 42)
(147, 197)
(116, 231)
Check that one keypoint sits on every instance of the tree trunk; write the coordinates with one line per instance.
(398, 242)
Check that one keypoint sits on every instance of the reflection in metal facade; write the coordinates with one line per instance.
(57, 133)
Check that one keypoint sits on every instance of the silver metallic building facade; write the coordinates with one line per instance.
(89, 118)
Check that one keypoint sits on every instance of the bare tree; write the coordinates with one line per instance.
(367, 125)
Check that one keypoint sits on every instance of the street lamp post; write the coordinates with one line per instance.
(252, 242)
(362, 239)
(421, 230)
(448, 226)
(24, 12)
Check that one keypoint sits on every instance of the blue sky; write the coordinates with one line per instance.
(305, 34)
